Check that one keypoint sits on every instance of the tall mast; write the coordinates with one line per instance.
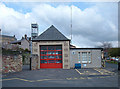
(71, 24)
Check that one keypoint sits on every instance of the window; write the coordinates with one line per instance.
(51, 47)
(51, 61)
(43, 61)
(89, 57)
(51, 57)
(43, 48)
(84, 57)
(79, 55)
(58, 48)
(58, 61)
(73, 52)
(58, 56)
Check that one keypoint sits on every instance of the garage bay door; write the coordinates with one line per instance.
(51, 56)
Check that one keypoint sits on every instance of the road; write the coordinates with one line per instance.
(105, 77)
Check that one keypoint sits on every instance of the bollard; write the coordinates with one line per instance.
(30, 63)
(119, 65)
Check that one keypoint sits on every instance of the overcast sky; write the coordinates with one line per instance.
(92, 22)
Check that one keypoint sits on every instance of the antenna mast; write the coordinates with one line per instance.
(71, 24)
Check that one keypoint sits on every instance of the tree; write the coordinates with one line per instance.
(114, 52)
(105, 45)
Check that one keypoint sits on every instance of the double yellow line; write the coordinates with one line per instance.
(25, 79)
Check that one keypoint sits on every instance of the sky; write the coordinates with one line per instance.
(92, 22)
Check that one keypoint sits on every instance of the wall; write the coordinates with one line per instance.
(95, 58)
(34, 62)
(65, 51)
(11, 46)
(11, 63)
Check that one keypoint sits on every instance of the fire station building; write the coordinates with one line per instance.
(53, 50)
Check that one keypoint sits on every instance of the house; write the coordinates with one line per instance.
(24, 43)
(54, 51)
(7, 39)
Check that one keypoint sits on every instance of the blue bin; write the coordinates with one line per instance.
(77, 66)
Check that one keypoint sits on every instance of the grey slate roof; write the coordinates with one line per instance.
(51, 34)
(15, 42)
(9, 36)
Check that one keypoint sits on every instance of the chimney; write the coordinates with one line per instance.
(25, 36)
(0, 31)
(14, 36)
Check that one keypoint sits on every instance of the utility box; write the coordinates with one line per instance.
(77, 66)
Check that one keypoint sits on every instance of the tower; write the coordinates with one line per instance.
(34, 30)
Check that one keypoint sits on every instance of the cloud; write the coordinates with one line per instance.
(90, 26)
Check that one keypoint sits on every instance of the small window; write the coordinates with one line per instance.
(73, 52)
(43, 61)
(58, 56)
(51, 47)
(43, 48)
(58, 47)
(51, 61)
(58, 61)
(51, 57)
(43, 57)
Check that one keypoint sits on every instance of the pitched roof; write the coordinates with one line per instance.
(9, 36)
(51, 34)
(18, 41)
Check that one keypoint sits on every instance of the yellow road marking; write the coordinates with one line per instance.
(82, 78)
(25, 79)
(75, 78)
(68, 78)
(107, 71)
(79, 72)
(43, 79)
(89, 78)
(99, 71)
(10, 79)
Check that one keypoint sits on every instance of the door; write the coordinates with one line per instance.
(51, 56)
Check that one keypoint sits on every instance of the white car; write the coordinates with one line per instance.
(116, 59)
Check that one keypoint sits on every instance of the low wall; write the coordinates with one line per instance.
(11, 63)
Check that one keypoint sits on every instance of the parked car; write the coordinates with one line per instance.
(107, 58)
(116, 59)
(112, 58)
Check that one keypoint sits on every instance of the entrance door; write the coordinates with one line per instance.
(51, 56)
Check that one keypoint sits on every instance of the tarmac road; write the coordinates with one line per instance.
(106, 77)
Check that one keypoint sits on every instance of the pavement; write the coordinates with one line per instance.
(94, 77)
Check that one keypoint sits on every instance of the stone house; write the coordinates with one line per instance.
(7, 39)
(24, 43)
